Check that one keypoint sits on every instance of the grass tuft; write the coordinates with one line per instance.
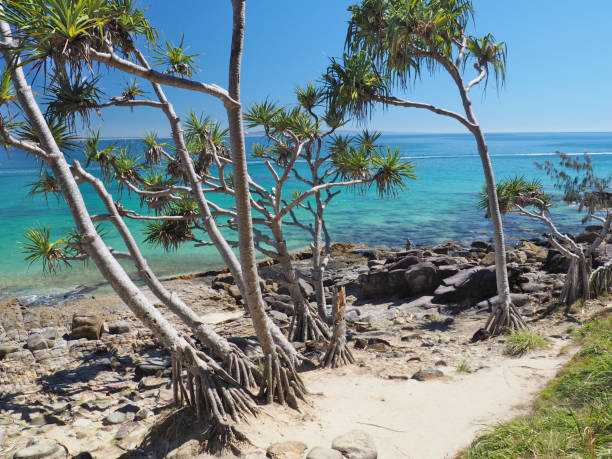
(573, 415)
(464, 367)
(519, 343)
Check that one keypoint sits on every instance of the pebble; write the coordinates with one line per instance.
(286, 450)
(116, 417)
(44, 448)
(425, 374)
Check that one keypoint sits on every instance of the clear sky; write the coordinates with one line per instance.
(559, 74)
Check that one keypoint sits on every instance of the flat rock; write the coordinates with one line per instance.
(36, 342)
(286, 450)
(120, 327)
(425, 374)
(44, 448)
(6, 349)
(116, 417)
(125, 430)
(323, 453)
(356, 444)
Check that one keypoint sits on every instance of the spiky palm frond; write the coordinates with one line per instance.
(353, 84)
(69, 98)
(7, 91)
(38, 247)
(126, 167)
(153, 150)
(93, 154)
(168, 234)
(310, 96)
(46, 184)
(514, 191)
(131, 90)
(339, 144)
(368, 140)
(261, 115)
(174, 58)
(353, 163)
(64, 139)
(391, 172)
(489, 54)
(155, 180)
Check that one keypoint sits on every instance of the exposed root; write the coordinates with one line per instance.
(308, 326)
(338, 353)
(281, 383)
(217, 397)
(238, 365)
(504, 319)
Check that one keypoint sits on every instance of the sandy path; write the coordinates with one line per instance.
(433, 419)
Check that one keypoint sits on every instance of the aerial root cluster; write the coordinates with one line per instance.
(281, 383)
(308, 326)
(503, 319)
(217, 397)
(245, 372)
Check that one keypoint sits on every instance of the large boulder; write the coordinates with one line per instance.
(534, 252)
(470, 285)
(555, 262)
(418, 279)
(86, 326)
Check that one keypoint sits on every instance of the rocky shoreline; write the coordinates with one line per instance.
(85, 379)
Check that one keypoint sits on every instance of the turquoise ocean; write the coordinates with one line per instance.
(438, 207)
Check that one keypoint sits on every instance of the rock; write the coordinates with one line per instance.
(555, 262)
(323, 453)
(404, 263)
(278, 316)
(589, 236)
(472, 285)
(421, 278)
(518, 300)
(84, 326)
(150, 368)
(119, 328)
(234, 292)
(488, 259)
(286, 450)
(36, 342)
(187, 450)
(307, 289)
(82, 422)
(425, 374)
(532, 287)
(533, 252)
(143, 413)
(355, 444)
(254, 455)
(125, 430)
(2, 434)
(6, 349)
(37, 419)
(44, 448)
(116, 417)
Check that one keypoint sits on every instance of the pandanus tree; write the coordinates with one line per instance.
(389, 44)
(70, 36)
(299, 134)
(580, 185)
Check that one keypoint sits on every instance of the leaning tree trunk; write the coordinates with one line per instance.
(281, 382)
(216, 395)
(319, 264)
(338, 353)
(227, 254)
(576, 286)
(234, 361)
(306, 324)
(504, 316)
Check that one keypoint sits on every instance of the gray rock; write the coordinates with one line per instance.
(6, 349)
(418, 279)
(50, 333)
(119, 328)
(82, 422)
(151, 368)
(472, 285)
(2, 434)
(518, 300)
(44, 448)
(116, 417)
(36, 342)
(323, 453)
(355, 444)
(125, 430)
(143, 413)
(307, 289)
(425, 374)
(404, 263)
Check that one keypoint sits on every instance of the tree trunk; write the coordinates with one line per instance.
(504, 314)
(216, 395)
(576, 286)
(318, 264)
(234, 361)
(306, 325)
(280, 382)
(338, 354)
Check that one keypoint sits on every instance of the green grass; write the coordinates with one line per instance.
(519, 343)
(572, 417)
(464, 367)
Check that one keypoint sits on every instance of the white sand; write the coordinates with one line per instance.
(432, 419)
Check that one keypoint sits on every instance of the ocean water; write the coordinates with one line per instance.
(438, 207)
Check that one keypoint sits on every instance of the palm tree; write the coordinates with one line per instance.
(390, 43)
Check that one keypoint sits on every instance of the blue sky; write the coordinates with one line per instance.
(559, 64)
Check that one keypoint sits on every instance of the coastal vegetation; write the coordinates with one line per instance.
(392, 43)
(572, 415)
(196, 189)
